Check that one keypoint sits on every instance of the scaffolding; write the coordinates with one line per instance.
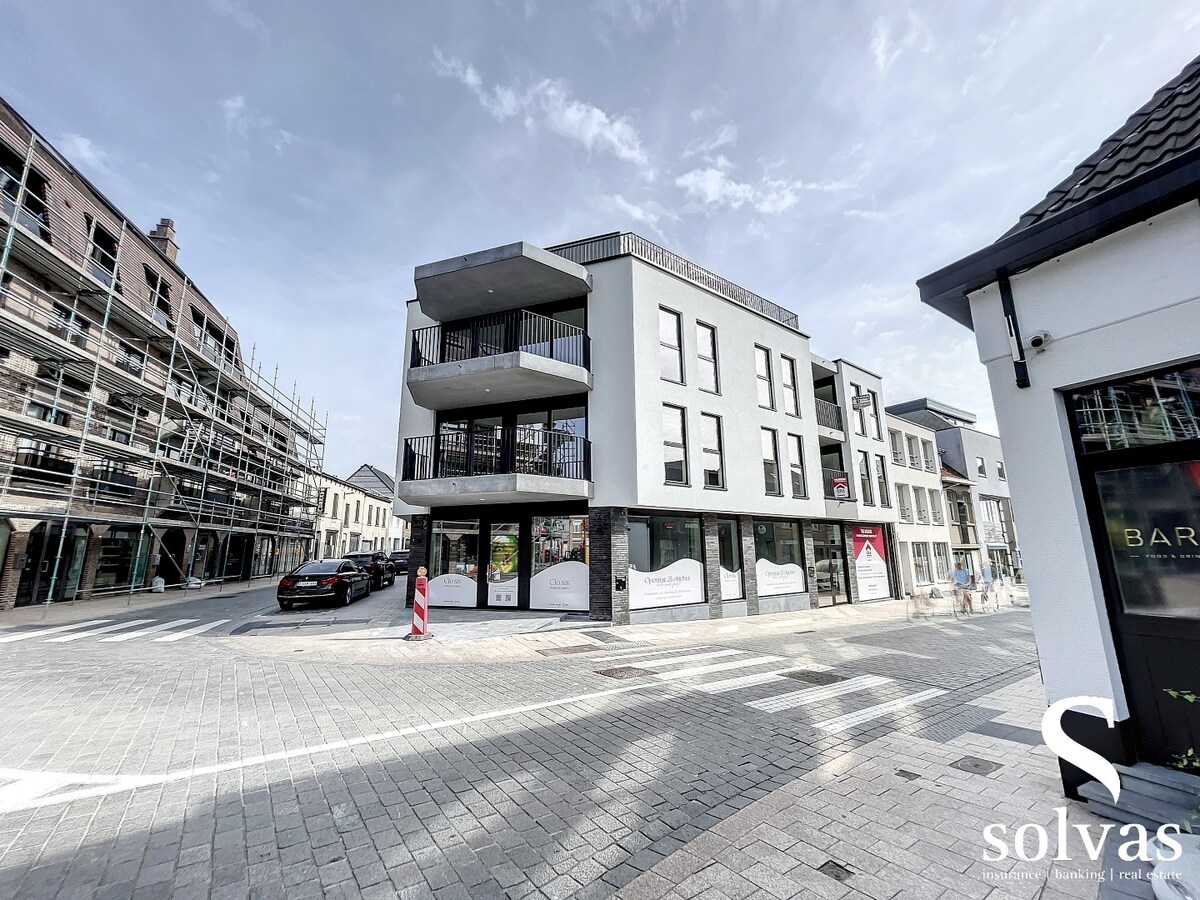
(133, 433)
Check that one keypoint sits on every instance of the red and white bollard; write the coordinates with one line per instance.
(420, 622)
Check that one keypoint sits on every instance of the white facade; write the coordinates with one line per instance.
(350, 518)
(922, 530)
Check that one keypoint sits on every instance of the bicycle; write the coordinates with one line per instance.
(930, 605)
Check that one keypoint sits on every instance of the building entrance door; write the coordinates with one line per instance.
(1138, 446)
(829, 554)
(47, 576)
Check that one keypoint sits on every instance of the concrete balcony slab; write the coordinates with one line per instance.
(495, 379)
(492, 489)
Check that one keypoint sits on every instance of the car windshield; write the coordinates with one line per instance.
(321, 567)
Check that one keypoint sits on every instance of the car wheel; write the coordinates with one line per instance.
(285, 605)
(392, 581)
(346, 596)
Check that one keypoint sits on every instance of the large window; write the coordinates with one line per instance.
(875, 432)
(921, 504)
(897, 441)
(706, 353)
(935, 506)
(1143, 411)
(864, 478)
(675, 467)
(791, 400)
(885, 497)
(665, 542)
(796, 464)
(770, 455)
(779, 557)
(929, 456)
(941, 559)
(921, 566)
(762, 371)
(903, 500)
(962, 517)
(914, 452)
(860, 415)
(670, 346)
(711, 451)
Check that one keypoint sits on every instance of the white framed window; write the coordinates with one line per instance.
(706, 353)
(1000, 470)
(711, 451)
(762, 371)
(791, 400)
(675, 468)
(670, 346)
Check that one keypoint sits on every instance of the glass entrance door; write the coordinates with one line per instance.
(504, 564)
(830, 563)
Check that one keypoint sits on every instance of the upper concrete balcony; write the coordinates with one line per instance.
(495, 280)
(516, 355)
(519, 464)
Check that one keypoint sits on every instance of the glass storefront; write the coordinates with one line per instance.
(560, 563)
(665, 561)
(829, 564)
(729, 547)
(453, 563)
(504, 568)
(779, 558)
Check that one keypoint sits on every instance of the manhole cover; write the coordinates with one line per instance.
(624, 672)
(566, 651)
(834, 870)
(975, 765)
(907, 775)
(816, 677)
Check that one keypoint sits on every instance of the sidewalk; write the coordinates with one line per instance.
(894, 820)
(121, 603)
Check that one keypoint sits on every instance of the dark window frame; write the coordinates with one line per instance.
(718, 452)
(677, 349)
(713, 362)
(682, 445)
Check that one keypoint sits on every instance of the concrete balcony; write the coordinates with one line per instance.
(516, 355)
(498, 465)
(496, 280)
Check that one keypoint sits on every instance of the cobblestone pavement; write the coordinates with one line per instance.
(716, 760)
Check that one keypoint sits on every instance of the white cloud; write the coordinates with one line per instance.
(887, 45)
(80, 149)
(236, 119)
(643, 14)
(870, 215)
(648, 213)
(242, 16)
(726, 134)
(210, 176)
(713, 186)
(701, 113)
(550, 104)
(245, 121)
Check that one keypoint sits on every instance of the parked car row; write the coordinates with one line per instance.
(340, 580)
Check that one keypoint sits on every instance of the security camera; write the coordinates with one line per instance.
(1038, 341)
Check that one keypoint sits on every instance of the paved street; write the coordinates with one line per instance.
(312, 754)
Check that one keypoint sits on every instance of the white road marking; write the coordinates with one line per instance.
(633, 654)
(716, 667)
(732, 684)
(841, 723)
(142, 632)
(188, 632)
(676, 660)
(804, 697)
(80, 635)
(114, 784)
(25, 635)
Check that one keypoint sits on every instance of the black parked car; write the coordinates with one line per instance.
(400, 560)
(339, 580)
(383, 573)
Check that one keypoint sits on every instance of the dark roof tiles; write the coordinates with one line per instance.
(1166, 127)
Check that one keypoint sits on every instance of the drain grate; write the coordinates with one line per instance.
(607, 637)
(836, 871)
(907, 775)
(567, 651)
(975, 765)
(816, 677)
(624, 672)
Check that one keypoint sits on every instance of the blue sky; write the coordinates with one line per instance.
(823, 154)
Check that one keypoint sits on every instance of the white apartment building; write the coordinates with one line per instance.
(607, 428)
(350, 518)
(988, 537)
(923, 535)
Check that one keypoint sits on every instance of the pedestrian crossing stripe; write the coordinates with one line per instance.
(107, 631)
(804, 697)
(741, 681)
(715, 667)
(849, 720)
(676, 660)
(637, 654)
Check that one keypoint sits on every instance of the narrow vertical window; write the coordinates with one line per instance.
(791, 400)
(796, 464)
(875, 432)
(712, 454)
(929, 456)
(770, 455)
(885, 497)
(762, 370)
(864, 478)
(897, 447)
(1000, 470)
(914, 454)
(674, 445)
(921, 505)
(860, 416)
(981, 467)
(670, 346)
(706, 353)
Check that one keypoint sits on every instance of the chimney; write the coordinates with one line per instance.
(163, 237)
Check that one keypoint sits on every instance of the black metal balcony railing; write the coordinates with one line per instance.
(505, 332)
(838, 485)
(518, 450)
(829, 415)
